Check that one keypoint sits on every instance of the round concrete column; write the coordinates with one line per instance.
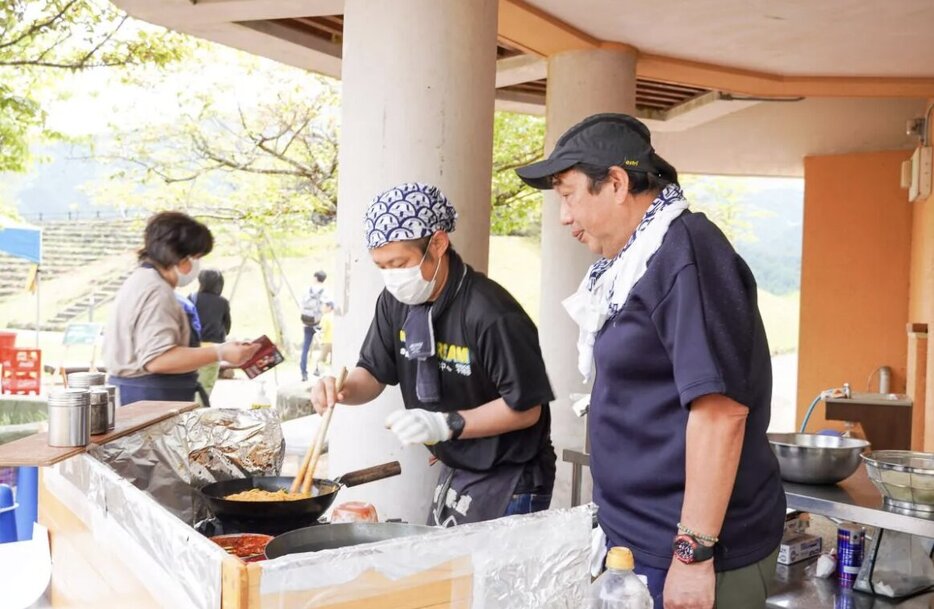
(580, 83)
(418, 92)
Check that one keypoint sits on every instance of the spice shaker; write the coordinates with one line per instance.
(83, 380)
(69, 417)
(100, 404)
(111, 406)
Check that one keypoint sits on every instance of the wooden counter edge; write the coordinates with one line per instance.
(34, 450)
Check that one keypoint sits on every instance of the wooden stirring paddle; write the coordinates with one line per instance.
(306, 473)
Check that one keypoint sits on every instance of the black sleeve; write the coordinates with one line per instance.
(511, 356)
(708, 324)
(226, 318)
(377, 355)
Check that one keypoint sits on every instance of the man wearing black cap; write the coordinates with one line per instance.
(671, 332)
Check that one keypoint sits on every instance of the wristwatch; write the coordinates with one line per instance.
(456, 423)
(688, 550)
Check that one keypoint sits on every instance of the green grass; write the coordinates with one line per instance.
(780, 316)
(514, 262)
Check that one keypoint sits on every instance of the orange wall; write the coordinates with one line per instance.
(855, 272)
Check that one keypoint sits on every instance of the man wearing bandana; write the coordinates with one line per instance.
(466, 357)
(671, 333)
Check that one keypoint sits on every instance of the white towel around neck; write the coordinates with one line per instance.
(605, 288)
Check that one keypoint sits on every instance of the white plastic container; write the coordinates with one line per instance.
(618, 587)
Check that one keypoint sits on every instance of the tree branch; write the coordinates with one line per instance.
(39, 26)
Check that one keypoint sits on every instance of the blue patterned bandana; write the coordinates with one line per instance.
(408, 211)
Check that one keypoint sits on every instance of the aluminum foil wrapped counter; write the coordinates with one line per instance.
(174, 458)
(539, 560)
(177, 566)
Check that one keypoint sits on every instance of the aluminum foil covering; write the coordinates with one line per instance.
(172, 459)
(537, 560)
(179, 567)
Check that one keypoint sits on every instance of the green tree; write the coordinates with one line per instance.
(39, 38)
(263, 154)
(518, 140)
(720, 198)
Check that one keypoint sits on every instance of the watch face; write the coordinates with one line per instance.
(683, 548)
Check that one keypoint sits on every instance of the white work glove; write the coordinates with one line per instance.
(417, 426)
(597, 551)
(580, 403)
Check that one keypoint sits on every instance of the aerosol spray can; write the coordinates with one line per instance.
(851, 541)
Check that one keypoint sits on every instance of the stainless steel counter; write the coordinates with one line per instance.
(857, 500)
(874, 399)
(792, 588)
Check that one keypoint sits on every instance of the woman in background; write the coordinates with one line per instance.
(148, 334)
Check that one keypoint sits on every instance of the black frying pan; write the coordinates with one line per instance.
(329, 536)
(323, 493)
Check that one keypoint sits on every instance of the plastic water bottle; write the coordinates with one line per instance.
(618, 587)
(260, 399)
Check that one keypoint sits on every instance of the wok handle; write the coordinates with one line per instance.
(370, 474)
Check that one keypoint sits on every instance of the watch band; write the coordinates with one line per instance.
(456, 423)
(688, 550)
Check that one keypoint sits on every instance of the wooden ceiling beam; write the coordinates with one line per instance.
(535, 31)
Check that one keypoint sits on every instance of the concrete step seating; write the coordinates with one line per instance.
(68, 246)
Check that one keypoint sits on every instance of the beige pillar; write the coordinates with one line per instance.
(418, 92)
(580, 83)
(916, 384)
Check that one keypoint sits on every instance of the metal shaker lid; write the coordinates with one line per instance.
(70, 397)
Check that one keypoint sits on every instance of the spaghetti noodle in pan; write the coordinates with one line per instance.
(256, 494)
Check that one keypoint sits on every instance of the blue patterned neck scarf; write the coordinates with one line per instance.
(669, 195)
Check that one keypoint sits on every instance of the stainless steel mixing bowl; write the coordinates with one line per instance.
(905, 478)
(816, 459)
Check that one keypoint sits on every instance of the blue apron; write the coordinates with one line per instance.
(160, 387)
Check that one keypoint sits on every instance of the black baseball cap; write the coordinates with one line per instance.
(603, 140)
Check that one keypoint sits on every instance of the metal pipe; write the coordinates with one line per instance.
(885, 379)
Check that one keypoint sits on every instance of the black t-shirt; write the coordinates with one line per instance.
(487, 348)
(690, 327)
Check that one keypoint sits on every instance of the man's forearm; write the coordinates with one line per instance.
(495, 418)
(361, 387)
(715, 432)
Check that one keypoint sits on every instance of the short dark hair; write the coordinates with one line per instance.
(321, 276)
(639, 181)
(172, 236)
(211, 281)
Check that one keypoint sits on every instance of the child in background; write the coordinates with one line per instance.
(325, 336)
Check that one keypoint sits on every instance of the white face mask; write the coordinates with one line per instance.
(186, 278)
(408, 285)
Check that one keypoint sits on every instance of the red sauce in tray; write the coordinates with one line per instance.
(246, 546)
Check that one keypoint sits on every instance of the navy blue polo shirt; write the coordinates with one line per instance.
(690, 327)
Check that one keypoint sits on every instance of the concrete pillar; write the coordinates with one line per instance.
(418, 92)
(580, 83)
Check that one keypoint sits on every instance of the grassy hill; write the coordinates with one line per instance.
(514, 262)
